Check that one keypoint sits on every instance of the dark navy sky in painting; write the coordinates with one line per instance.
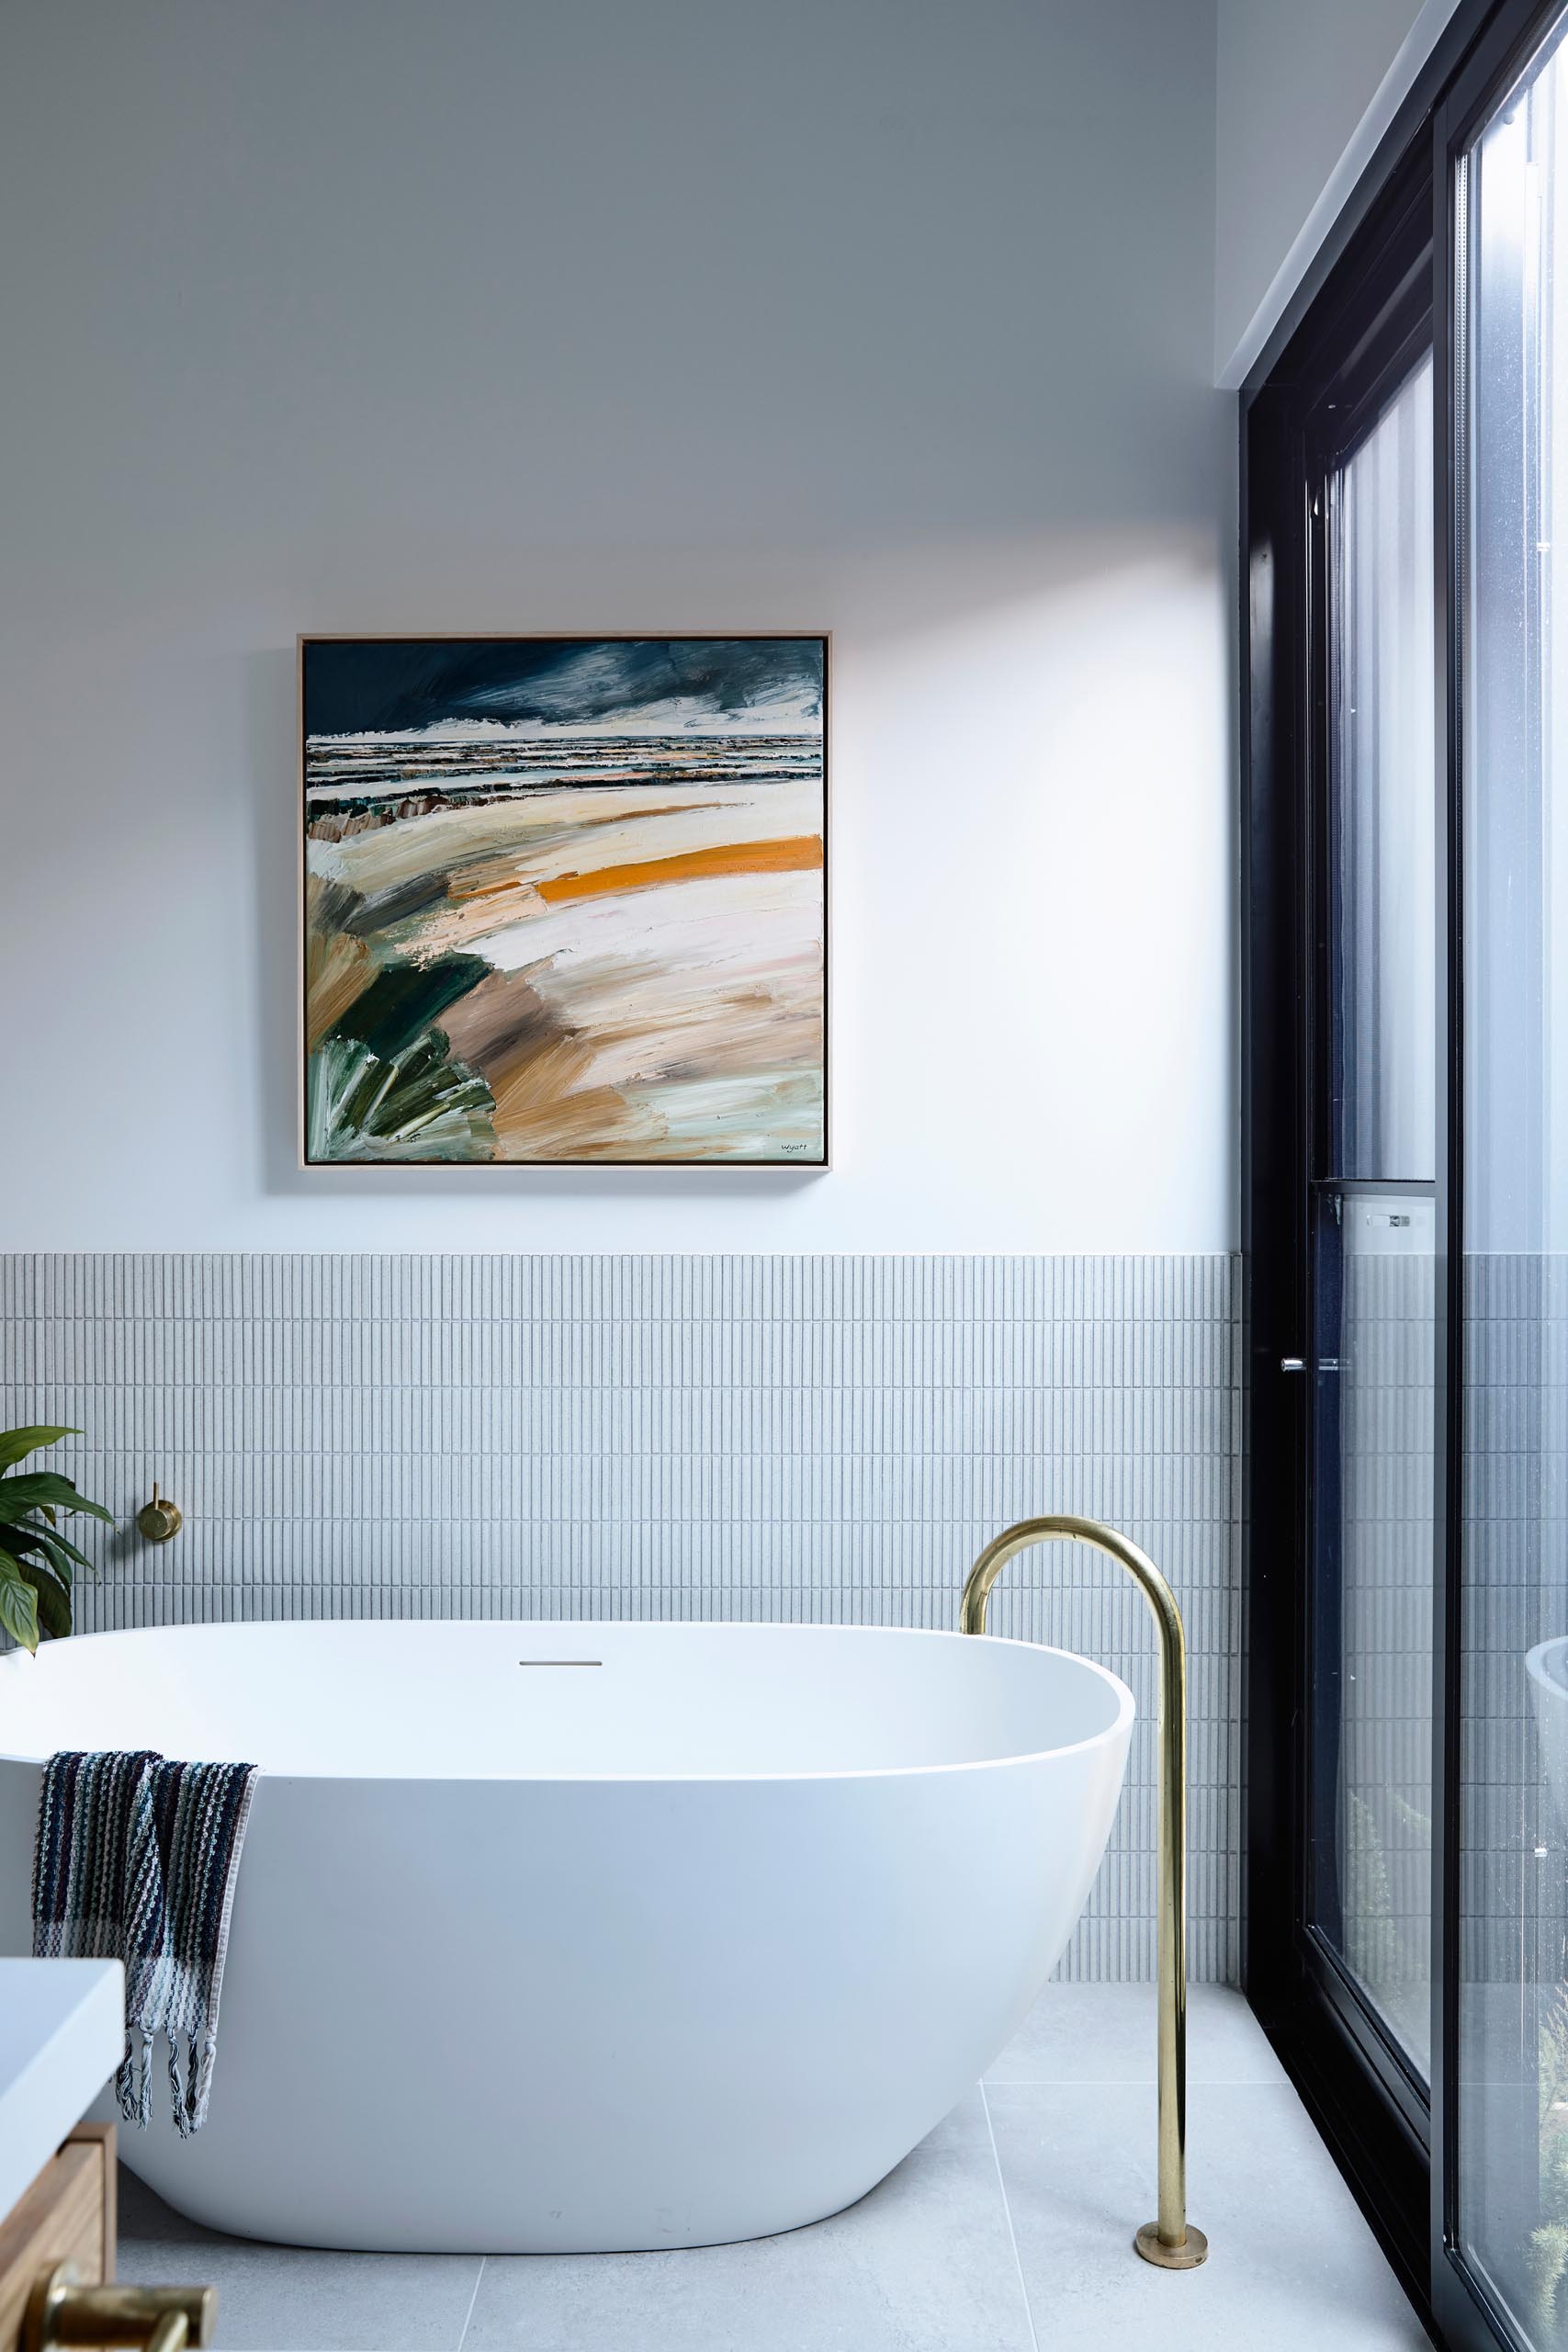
(352, 685)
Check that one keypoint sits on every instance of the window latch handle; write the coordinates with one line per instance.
(1293, 1363)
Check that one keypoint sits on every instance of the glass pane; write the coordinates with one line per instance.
(1372, 1264)
(1382, 1039)
(1512, 2085)
(1371, 1758)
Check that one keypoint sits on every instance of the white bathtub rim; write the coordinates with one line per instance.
(1118, 1729)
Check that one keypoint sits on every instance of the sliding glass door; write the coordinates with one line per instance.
(1511, 2054)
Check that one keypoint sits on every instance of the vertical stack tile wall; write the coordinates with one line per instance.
(824, 1439)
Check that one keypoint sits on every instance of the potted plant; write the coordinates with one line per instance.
(36, 1563)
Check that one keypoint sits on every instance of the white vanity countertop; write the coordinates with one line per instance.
(61, 2036)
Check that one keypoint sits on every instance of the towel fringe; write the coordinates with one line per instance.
(133, 2082)
(203, 2060)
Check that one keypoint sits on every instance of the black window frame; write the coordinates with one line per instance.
(1393, 244)
(1362, 332)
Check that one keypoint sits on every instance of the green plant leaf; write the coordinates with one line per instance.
(36, 1562)
(53, 1550)
(58, 1542)
(54, 1544)
(13, 1444)
(53, 1603)
(37, 1490)
(18, 1603)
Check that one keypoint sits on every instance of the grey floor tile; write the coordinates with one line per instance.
(1292, 2265)
(296, 2299)
(924, 2264)
(1105, 2033)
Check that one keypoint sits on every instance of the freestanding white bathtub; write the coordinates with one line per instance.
(573, 1937)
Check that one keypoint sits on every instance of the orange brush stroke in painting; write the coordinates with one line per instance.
(796, 857)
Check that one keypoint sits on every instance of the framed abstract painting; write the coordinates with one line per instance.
(564, 900)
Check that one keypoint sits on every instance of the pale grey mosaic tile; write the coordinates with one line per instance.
(1514, 1832)
(825, 1439)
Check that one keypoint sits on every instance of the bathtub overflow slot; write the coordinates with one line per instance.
(561, 1661)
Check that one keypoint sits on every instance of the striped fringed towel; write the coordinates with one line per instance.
(136, 1861)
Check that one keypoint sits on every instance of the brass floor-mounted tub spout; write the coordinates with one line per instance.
(1171, 2241)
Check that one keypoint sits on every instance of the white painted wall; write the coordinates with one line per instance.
(384, 315)
(1305, 90)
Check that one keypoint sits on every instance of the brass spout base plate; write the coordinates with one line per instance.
(1193, 2249)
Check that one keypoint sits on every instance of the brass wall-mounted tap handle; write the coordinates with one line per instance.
(160, 1519)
